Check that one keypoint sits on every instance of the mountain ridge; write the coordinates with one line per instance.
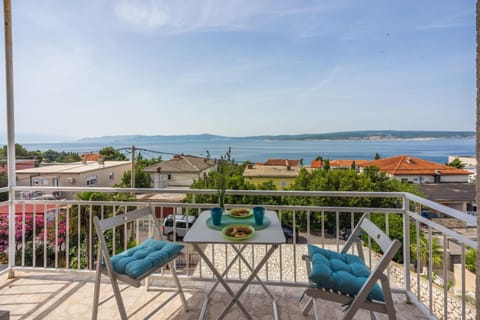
(341, 135)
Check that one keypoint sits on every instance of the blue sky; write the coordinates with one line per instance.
(239, 68)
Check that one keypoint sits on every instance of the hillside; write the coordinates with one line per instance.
(345, 135)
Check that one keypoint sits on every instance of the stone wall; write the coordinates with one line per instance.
(397, 275)
(285, 265)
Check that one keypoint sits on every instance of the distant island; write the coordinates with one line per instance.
(345, 135)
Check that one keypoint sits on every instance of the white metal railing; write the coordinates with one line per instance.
(67, 241)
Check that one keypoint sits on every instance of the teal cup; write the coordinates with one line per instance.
(258, 214)
(217, 213)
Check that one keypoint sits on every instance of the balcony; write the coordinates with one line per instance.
(54, 265)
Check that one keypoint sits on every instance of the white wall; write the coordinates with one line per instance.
(160, 180)
(431, 179)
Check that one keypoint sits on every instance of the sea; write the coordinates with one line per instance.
(257, 150)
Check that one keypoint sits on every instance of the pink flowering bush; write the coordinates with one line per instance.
(24, 233)
(62, 231)
(18, 230)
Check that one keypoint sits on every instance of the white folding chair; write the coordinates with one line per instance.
(362, 299)
(135, 264)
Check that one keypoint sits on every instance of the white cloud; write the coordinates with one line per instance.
(141, 13)
(181, 16)
(195, 15)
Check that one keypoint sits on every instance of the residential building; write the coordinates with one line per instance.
(459, 196)
(416, 170)
(470, 164)
(19, 165)
(180, 171)
(281, 176)
(77, 174)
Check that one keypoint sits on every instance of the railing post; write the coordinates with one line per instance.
(406, 244)
(7, 11)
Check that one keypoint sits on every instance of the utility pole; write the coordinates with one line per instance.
(132, 178)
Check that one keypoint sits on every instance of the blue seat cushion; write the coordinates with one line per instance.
(340, 272)
(139, 260)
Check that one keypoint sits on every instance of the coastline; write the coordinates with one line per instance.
(256, 150)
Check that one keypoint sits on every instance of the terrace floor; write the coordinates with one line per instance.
(69, 295)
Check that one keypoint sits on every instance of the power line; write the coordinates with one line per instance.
(127, 150)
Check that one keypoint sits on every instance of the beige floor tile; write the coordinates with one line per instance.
(69, 295)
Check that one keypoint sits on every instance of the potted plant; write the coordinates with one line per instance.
(221, 182)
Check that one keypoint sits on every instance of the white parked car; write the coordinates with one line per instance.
(181, 222)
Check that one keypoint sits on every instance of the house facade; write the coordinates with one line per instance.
(282, 176)
(180, 171)
(470, 164)
(78, 174)
(416, 170)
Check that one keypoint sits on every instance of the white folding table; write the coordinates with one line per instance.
(272, 236)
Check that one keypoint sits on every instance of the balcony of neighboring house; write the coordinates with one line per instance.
(54, 266)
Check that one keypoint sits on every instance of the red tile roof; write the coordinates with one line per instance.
(316, 164)
(337, 163)
(90, 156)
(19, 165)
(181, 163)
(29, 208)
(406, 165)
(282, 162)
(345, 163)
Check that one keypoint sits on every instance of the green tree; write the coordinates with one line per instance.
(326, 165)
(50, 156)
(370, 179)
(146, 162)
(54, 156)
(395, 231)
(423, 251)
(3, 183)
(456, 163)
(20, 153)
(142, 179)
(111, 154)
(470, 260)
(377, 156)
(80, 220)
(234, 180)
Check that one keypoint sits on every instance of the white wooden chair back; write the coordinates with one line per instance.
(389, 248)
